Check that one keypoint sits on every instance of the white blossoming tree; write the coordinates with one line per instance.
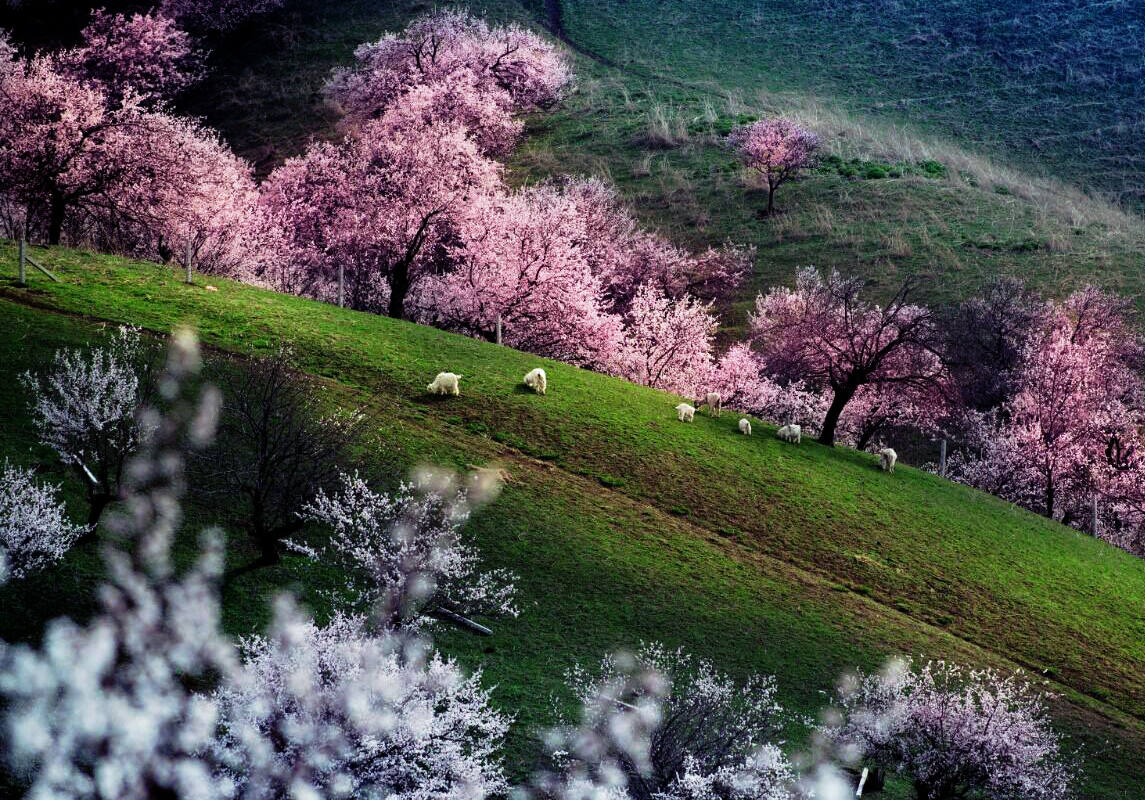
(336, 712)
(593, 758)
(405, 555)
(85, 408)
(35, 531)
(102, 710)
(955, 732)
(715, 738)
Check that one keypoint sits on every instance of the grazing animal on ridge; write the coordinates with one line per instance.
(745, 426)
(685, 412)
(790, 433)
(887, 459)
(714, 401)
(445, 383)
(536, 380)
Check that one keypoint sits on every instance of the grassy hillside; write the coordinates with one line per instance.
(910, 188)
(626, 525)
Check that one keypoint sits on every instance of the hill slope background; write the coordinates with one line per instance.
(624, 525)
(911, 188)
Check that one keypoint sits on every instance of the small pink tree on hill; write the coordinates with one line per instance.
(778, 149)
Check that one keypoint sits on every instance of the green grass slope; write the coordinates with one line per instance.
(626, 525)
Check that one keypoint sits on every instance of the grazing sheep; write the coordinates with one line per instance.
(685, 412)
(887, 459)
(745, 426)
(714, 402)
(790, 433)
(536, 380)
(445, 383)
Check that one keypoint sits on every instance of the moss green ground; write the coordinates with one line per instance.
(626, 525)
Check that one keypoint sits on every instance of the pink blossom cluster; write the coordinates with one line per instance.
(88, 156)
(1071, 432)
(475, 75)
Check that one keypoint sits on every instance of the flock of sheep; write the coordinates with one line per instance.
(449, 383)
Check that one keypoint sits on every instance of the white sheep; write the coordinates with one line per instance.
(536, 380)
(714, 402)
(685, 412)
(445, 383)
(745, 426)
(887, 459)
(790, 433)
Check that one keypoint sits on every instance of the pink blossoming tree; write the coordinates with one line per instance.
(668, 343)
(382, 206)
(144, 54)
(823, 332)
(520, 259)
(777, 149)
(510, 68)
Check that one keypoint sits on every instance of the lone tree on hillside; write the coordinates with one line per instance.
(778, 149)
(824, 333)
(277, 447)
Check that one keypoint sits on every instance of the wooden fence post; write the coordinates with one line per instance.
(341, 285)
(22, 248)
(498, 329)
(942, 459)
(187, 261)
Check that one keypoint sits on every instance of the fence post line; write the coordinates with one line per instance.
(942, 459)
(498, 329)
(341, 285)
(187, 260)
(22, 249)
(1093, 516)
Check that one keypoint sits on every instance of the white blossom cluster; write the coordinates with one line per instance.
(102, 710)
(407, 551)
(123, 707)
(35, 531)
(593, 759)
(715, 732)
(328, 712)
(85, 406)
(955, 732)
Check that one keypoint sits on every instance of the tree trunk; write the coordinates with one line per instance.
(399, 288)
(265, 539)
(770, 200)
(843, 395)
(97, 504)
(1050, 498)
(56, 221)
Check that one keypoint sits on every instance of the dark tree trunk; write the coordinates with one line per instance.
(399, 288)
(56, 221)
(843, 395)
(770, 201)
(97, 504)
